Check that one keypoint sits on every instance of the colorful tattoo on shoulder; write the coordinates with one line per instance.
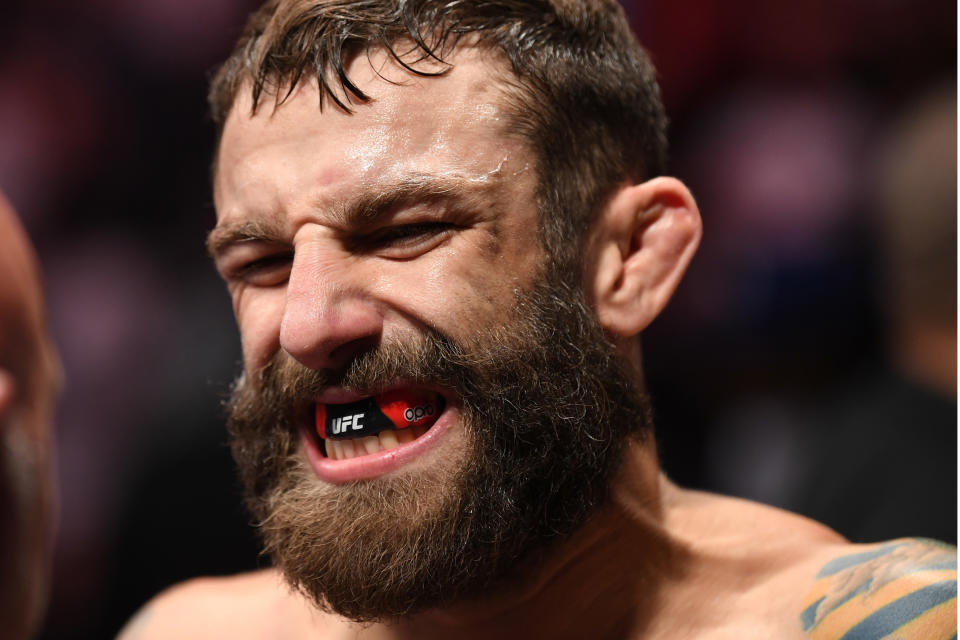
(900, 590)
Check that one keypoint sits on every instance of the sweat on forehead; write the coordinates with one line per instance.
(359, 75)
(484, 93)
(570, 66)
(417, 136)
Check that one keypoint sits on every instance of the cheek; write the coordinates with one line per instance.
(456, 292)
(259, 314)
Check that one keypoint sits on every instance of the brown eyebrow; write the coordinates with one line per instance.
(366, 208)
(362, 210)
(227, 234)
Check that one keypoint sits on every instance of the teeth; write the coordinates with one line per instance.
(383, 441)
(370, 443)
(348, 451)
(388, 439)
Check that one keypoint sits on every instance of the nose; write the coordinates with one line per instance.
(328, 317)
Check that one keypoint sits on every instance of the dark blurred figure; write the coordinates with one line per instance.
(887, 450)
(29, 376)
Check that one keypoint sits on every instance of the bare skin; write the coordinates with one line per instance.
(29, 378)
(657, 562)
(701, 566)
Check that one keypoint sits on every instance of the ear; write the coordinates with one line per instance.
(639, 248)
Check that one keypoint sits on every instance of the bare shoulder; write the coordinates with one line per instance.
(806, 581)
(750, 528)
(903, 589)
(250, 605)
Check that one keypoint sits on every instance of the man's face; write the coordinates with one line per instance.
(395, 250)
(410, 213)
(29, 375)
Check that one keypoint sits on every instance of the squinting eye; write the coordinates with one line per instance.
(267, 271)
(406, 231)
(406, 240)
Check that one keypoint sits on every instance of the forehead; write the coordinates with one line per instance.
(452, 125)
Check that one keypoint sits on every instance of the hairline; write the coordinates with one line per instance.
(512, 97)
(277, 89)
(548, 79)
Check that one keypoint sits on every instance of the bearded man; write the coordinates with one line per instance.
(443, 226)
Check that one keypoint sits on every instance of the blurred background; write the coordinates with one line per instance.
(808, 360)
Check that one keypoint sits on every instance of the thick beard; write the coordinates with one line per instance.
(547, 407)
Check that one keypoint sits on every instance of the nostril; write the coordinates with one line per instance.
(343, 354)
(324, 335)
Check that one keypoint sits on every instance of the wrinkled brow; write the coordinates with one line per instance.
(230, 233)
(365, 208)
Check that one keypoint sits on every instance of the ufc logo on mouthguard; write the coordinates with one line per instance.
(370, 416)
(341, 425)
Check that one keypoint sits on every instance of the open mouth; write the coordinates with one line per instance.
(375, 423)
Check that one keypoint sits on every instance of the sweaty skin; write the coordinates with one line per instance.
(657, 561)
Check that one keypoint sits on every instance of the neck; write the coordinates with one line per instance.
(621, 558)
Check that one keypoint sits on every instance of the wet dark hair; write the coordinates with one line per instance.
(582, 91)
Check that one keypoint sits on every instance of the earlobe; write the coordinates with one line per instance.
(641, 246)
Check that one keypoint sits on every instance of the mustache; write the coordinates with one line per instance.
(553, 317)
(546, 327)
(429, 358)
(267, 408)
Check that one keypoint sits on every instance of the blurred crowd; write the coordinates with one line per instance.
(808, 360)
